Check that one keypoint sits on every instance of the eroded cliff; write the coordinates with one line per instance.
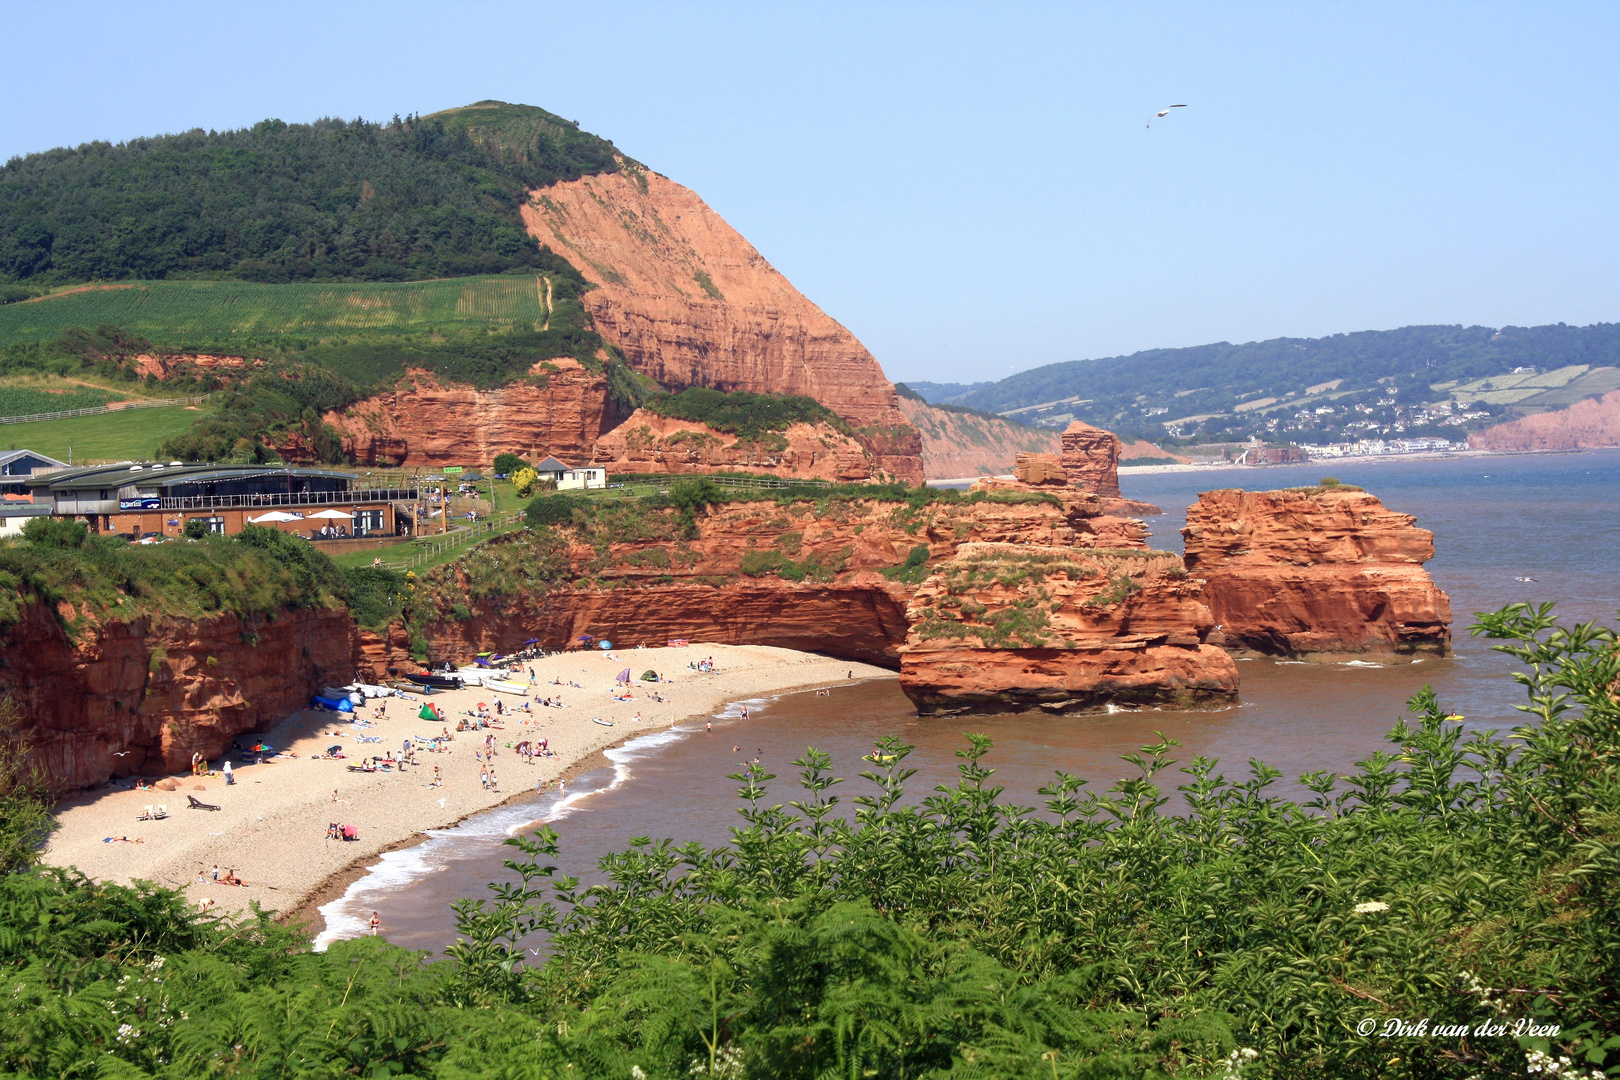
(689, 302)
(1592, 424)
(650, 443)
(1316, 572)
(138, 697)
(958, 445)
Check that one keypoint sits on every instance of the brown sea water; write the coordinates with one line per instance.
(1552, 518)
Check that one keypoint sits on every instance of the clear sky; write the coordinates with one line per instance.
(971, 189)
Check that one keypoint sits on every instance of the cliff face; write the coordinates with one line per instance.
(1593, 424)
(649, 443)
(1007, 628)
(956, 445)
(1316, 572)
(424, 421)
(141, 696)
(691, 303)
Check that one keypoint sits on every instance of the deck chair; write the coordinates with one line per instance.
(162, 811)
(146, 813)
(198, 804)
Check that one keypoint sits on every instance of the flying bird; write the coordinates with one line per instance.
(1163, 112)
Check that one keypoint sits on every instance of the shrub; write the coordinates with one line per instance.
(553, 510)
(524, 480)
(748, 416)
(196, 529)
(55, 532)
(507, 464)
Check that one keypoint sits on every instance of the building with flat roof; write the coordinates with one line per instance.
(154, 499)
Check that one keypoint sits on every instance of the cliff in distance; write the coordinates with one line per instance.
(1316, 572)
(957, 444)
(1593, 424)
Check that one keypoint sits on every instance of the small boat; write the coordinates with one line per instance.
(599, 720)
(506, 686)
(435, 682)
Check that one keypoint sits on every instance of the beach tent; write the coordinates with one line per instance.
(428, 712)
(624, 676)
(275, 515)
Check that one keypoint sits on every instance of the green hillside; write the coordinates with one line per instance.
(414, 198)
(1365, 380)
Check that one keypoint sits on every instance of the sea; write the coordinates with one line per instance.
(1510, 528)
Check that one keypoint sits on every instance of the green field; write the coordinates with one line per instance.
(201, 313)
(31, 400)
(115, 436)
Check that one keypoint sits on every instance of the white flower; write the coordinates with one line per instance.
(636, 1073)
(1369, 906)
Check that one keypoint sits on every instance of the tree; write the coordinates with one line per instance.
(507, 464)
(525, 480)
(196, 529)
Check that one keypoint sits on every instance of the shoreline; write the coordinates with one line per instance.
(271, 828)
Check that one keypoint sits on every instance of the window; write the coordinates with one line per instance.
(216, 525)
(367, 522)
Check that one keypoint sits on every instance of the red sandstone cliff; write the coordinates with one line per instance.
(649, 443)
(1316, 572)
(691, 303)
(141, 696)
(561, 409)
(1004, 628)
(1593, 424)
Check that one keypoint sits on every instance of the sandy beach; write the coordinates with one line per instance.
(271, 828)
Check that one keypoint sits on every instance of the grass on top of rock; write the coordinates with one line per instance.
(1172, 922)
(748, 416)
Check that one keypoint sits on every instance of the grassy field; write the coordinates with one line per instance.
(115, 436)
(29, 400)
(199, 313)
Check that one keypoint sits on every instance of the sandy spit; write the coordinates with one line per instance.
(271, 825)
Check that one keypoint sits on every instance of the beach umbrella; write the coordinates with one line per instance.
(332, 514)
(532, 641)
(604, 645)
(275, 515)
(624, 676)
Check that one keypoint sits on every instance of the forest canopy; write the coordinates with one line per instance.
(419, 197)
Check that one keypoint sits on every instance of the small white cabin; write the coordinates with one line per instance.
(582, 479)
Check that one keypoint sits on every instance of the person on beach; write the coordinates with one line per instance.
(230, 777)
(709, 727)
(195, 758)
(483, 778)
(745, 712)
(494, 782)
(376, 921)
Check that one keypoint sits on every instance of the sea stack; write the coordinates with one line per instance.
(1091, 458)
(1316, 573)
(1010, 627)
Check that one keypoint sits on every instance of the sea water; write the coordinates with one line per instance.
(1497, 520)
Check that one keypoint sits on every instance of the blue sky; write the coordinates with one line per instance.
(971, 189)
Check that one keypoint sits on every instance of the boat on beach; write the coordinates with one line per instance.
(434, 682)
(506, 686)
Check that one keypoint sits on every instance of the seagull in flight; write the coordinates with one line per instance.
(1162, 113)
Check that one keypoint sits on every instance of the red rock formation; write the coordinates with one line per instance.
(192, 364)
(958, 445)
(1316, 572)
(1040, 469)
(691, 303)
(1091, 457)
(563, 410)
(649, 443)
(1009, 627)
(1593, 424)
(727, 581)
(139, 697)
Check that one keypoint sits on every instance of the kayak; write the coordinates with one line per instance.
(506, 686)
(599, 720)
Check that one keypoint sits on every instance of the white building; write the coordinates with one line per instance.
(582, 479)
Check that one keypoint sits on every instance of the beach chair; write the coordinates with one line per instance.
(146, 813)
(198, 804)
(162, 811)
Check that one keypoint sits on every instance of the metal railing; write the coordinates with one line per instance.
(427, 549)
(284, 498)
(197, 399)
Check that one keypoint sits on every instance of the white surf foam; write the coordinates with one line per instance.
(348, 915)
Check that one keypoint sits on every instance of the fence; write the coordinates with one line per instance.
(427, 549)
(285, 498)
(195, 400)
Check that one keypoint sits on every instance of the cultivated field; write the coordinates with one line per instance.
(198, 313)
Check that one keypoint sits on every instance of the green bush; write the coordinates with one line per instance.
(196, 529)
(375, 595)
(55, 532)
(553, 510)
(507, 464)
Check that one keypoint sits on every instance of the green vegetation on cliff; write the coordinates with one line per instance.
(1191, 925)
(746, 415)
(422, 197)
